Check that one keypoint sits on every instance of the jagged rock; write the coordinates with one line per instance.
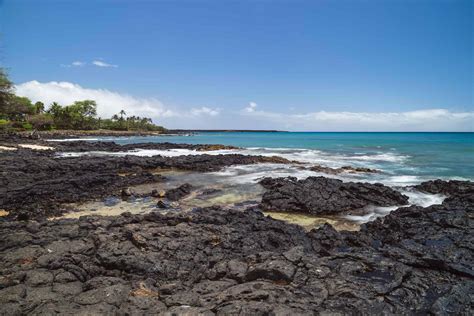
(319, 195)
(413, 261)
(126, 193)
(162, 205)
(450, 188)
(359, 169)
(348, 169)
(276, 270)
(179, 192)
(460, 193)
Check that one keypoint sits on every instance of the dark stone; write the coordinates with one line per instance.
(126, 193)
(319, 195)
(179, 192)
(23, 216)
(346, 169)
(162, 205)
(460, 193)
(450, 188)
(413, 261)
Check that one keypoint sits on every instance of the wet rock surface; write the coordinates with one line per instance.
(344, 169)
(320, 195)
(460, 194)
(450, 188)
(215, 261)
(179, 192)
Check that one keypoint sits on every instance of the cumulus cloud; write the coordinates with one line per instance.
(419, 120)
(100, 63)
(108, 102)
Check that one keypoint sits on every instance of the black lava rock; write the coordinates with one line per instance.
(320, 195)
(179, 192)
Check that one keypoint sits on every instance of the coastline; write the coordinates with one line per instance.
(176, 261)
(60, 134)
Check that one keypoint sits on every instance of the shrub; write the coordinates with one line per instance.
(27, 126)
(4, 125)
(41, 121)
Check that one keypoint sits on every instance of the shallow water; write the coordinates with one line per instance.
(235, 187)
(309, 222)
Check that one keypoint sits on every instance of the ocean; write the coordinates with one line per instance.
(405, 158)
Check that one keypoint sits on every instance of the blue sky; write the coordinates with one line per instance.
(298, 65)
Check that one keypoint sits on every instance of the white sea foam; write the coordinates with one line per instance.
(300, 155)
(414, 198)
(373, 212)
(423, 199)
(403, 180)
(253, 173)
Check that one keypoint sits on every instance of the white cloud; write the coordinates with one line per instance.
(204, 111)
(251, 107)
(100, 63)
(109, 102)
(419, 120)
(250, 117)
(97, 62)
(76, 63)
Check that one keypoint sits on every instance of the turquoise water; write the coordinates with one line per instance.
(410, 155)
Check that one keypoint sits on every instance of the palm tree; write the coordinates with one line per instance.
(39, 107)
(122, 113)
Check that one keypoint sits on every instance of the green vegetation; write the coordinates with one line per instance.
(19, 113)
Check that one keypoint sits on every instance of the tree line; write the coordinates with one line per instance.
(20, 113)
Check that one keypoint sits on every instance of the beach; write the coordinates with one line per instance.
(139, 224)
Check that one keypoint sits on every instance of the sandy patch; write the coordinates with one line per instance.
(309, 222)
(35, 147)
(3, 213)
(5, 148)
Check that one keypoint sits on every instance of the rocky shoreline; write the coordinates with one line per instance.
(36, 183)
(62, 134)
(218, 260)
